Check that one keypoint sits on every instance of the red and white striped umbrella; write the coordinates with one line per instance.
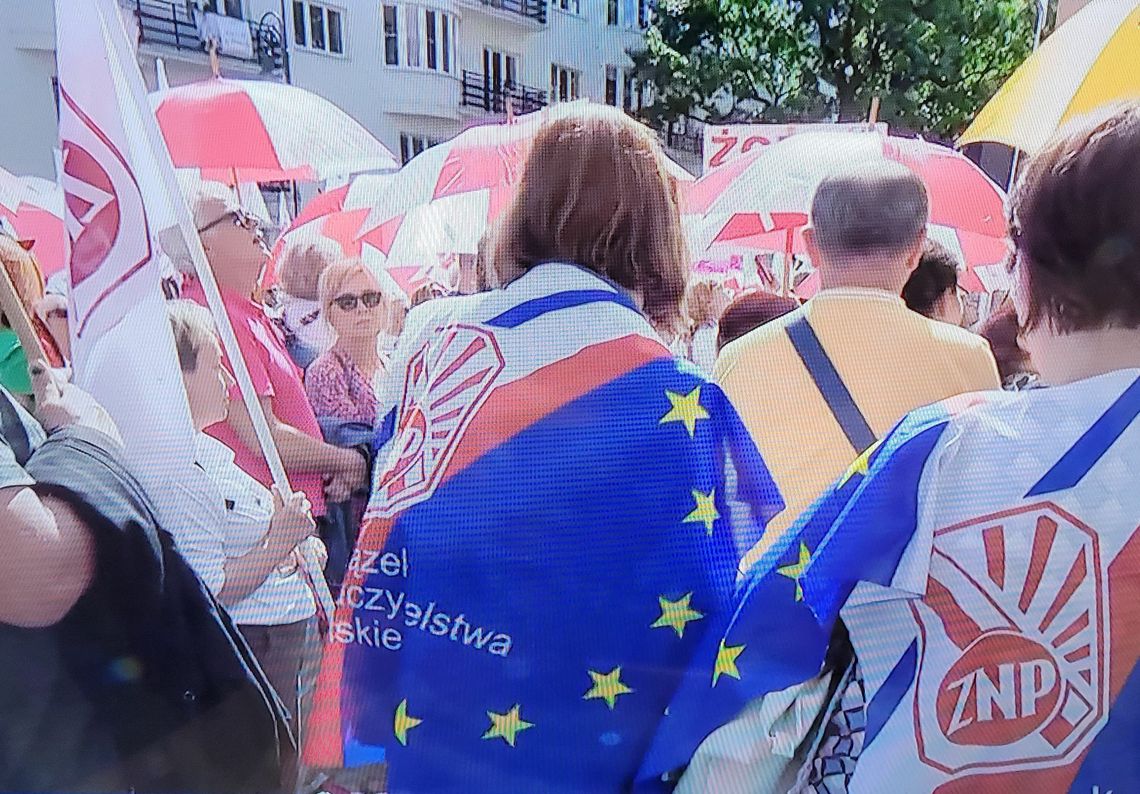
(34, 207)
(763, 203)
(259, 131)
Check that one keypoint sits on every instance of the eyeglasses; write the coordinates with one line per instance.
(240, 218)
(347, 302)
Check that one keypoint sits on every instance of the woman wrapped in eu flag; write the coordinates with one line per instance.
(555, 525)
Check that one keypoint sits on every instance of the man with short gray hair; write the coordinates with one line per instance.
(821, 385)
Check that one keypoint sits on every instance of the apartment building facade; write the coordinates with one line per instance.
(414, 72)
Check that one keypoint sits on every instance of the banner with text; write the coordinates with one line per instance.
(724, 143)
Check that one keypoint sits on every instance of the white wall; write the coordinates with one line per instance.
(27, 64)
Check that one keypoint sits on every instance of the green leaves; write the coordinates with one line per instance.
(933, 63)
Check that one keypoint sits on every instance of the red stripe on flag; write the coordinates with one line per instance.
(994, 540)
(1043, 538)
(1075, 576)
(512, 408)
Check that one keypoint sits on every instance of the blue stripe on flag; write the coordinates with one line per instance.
(532, 309)
(1091, 447)
(830, 385)
(883, 704)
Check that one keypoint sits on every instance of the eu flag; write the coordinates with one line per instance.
(554, 534)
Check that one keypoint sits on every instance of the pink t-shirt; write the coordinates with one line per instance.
(274, 375)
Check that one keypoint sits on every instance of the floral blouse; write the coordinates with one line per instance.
(338, 389)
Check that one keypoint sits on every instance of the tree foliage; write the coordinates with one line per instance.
(933, 63)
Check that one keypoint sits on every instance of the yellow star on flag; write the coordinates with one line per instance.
(404, 722)
(675, 614)
(705, 511)
(795, 570)
(607, 686)
(726, 661)
(506, 726)
(686, 408)
(861, 464)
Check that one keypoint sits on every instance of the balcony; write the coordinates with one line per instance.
(481, 92)
(170, 25)
(527, 12)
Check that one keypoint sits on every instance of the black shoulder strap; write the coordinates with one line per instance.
(831, 387)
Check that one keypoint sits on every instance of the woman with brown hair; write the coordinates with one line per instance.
(992, 538)
(558, 518)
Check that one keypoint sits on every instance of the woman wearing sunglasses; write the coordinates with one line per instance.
(341, 382)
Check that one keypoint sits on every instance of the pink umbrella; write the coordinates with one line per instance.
(752, 207)
(34, 207)
(258, 131)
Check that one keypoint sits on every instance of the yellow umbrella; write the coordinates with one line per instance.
(1091, 60)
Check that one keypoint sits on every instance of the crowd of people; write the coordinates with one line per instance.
(532, 452)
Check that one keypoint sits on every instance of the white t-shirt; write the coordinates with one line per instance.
(304, 319)
(226, 514)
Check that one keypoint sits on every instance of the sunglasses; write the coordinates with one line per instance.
(239, 218)
(347, 302)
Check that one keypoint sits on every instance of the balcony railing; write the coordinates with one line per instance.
(171, 24)
(531, 9)
(682, 140)
(479, 91)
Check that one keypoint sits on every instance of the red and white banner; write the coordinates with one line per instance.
(727, 142)
(122, 345)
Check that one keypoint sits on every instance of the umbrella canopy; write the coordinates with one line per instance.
(1089, 61)
(258, 131)
(34, 207)
(765, 204)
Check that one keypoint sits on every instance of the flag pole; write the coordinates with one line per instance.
(17, 315)
(221, 318)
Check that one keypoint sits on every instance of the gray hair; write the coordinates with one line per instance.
(879, 206)
(193, 328)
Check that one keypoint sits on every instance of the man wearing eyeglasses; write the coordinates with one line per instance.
(236, 251)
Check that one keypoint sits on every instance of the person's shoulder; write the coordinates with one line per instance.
(753, 344)
(954, 337)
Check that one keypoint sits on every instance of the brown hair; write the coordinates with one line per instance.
(1075, 224)
(935, 275)
(595, 192)
(750, 311)
(1001, 331)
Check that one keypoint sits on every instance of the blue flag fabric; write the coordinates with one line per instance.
(526, 625)
(790, 599)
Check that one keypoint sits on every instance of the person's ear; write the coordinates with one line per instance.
(812, 246)
(914, 254)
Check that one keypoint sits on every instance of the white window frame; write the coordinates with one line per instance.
(613, 73)
(307, 7)
(571, 7)
(395, 33)
(412, 39)
(573, 79)
(413, 145)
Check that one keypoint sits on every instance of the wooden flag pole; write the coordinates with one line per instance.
(873, 116)
(19, 320)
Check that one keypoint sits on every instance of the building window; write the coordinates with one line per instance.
(629, 88)
(318, 27)
(391, 37)
(611, 12)
(432, 40)
(643, 12)
(611, 85)
(445, 39)
(300, 33)
(413, 37)
(411, 145)
(438, 40)
(572, 6)
(563, 83)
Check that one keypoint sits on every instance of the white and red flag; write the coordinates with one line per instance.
(116, 207)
